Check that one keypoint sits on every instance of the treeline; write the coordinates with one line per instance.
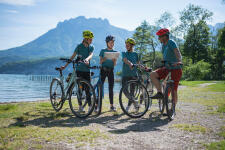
(203, 51)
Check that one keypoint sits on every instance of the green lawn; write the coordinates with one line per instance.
(32, 125)
(193, 83)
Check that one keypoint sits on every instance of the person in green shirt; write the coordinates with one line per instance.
(108, 67)
(85, 51)
(129, 72)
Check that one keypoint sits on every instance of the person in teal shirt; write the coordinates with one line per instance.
(173, 61)
(108, 67)
(129, 72)
(85, 51)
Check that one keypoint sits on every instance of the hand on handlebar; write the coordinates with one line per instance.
(86, 62)
(62, 67)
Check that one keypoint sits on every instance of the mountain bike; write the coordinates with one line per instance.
(78, 91)
(168, 92)
(134, 95)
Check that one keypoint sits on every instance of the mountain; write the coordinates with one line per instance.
(62, 40)
(214, 29)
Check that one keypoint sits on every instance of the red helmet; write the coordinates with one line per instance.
(162, 32)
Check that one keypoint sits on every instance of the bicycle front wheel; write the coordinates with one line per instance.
(134, 99)
(99, 95)
(82, 98)
(169, 101)
(56, 94)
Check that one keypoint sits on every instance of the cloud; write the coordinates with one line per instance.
(11, 11)
(18, 2)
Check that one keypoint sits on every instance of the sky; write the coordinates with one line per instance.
(22, 21)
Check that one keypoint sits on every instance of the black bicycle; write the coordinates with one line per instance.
(134, 95)
(78, 91)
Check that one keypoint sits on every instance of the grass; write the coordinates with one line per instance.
(210, 96)
(193, 83)
(218, 145)
(23, 126)
(191, 128)
(33, 125)
(218, 87)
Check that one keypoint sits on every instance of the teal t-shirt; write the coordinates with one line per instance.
(169, 55)
(84, 52)
(108, 63)
(133, 58)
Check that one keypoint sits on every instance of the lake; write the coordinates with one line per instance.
(17, 88)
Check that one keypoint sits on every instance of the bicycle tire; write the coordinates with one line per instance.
(99, 99)
(77, 97)
(56, 106)
(140, 87)
(170, 105)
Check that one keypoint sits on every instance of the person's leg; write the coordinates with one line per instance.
(176, 76)
(155, 76)
(79, 74)
(111, 85)
(155, 80)
(86, 76)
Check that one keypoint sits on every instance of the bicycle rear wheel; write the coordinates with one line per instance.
(82, 98)
(169, 100)
(56, 94)
(134, 99)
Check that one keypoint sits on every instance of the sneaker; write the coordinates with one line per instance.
(96, 109)
(158, 95)
(127, 108)
(81, 109)
(112, 108)
(89, 109)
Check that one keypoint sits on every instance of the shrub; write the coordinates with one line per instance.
(199, 71)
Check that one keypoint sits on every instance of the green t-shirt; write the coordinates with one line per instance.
(107, 63)
(169, 55)
(84, 52)
(133, 58)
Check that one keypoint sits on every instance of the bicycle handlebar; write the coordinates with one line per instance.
(142, 66)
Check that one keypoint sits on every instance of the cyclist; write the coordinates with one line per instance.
(171, 54)
(108, 67)
(129, 58)
(85, 51)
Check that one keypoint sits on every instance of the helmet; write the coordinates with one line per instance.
(88, 34)
(162, 32)
(131, 41)
(109, 38)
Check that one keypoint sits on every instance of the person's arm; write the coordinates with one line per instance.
(86, 61)
(178, 55)
(71, 58)
(114, 61)
(102, 59)
(126, 61)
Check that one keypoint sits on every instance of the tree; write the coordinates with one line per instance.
(142, 37)
(192, 15)
(196, 45)
(166, 20)
(146, 41)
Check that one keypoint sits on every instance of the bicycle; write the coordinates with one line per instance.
(136, 92)
(78, 91)
(168, 91)
(99, 91)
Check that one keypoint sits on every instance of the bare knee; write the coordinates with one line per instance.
(153, 75)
